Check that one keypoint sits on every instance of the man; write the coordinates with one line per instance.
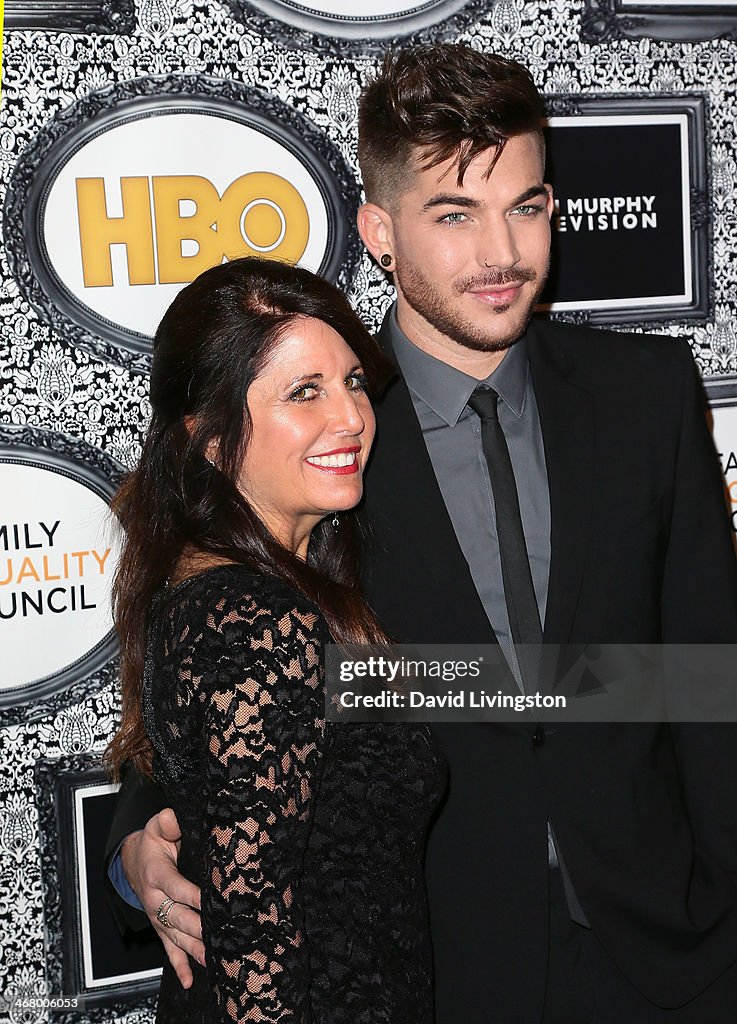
(576, 873)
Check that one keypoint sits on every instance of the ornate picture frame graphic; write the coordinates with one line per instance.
(721, 390)
(119, 104)
(604, 21)
(86, 957)
(688, 112)
(325, 27)
(96, 668)
(110, 17)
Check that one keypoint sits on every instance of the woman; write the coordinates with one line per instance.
(239, 566)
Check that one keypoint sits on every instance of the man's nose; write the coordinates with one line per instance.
(498, 248)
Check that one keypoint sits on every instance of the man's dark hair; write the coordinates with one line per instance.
(438, 102)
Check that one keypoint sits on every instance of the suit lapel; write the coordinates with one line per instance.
(567, 423)
(403, 493)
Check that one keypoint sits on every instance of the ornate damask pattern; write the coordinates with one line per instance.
(48, 382)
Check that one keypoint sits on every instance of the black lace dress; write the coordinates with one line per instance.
(306, 840)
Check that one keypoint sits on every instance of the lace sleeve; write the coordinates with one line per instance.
(263, 733)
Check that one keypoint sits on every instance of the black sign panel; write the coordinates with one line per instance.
(630, 228)
(87, 957)
(676, 20)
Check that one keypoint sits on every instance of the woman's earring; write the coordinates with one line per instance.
(386, 260)
(336, 521)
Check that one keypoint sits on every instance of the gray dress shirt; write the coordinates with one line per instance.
(452, 433)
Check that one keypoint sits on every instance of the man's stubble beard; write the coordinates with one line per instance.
(424, 298)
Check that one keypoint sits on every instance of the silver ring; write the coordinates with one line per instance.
(163, 912)
(486, 264)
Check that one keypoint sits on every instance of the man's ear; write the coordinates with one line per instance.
(376, 229)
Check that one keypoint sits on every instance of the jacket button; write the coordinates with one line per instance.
(538, 737)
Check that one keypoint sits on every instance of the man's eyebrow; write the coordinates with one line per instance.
(451, 199)
(531, 193)
(467, 203)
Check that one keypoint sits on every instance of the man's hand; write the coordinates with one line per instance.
(150, 864)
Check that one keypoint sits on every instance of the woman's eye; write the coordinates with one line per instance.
(356, 382)
(305, 393)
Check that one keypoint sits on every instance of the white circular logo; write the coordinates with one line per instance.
(138, 189)
(57, 557)
(143, 208)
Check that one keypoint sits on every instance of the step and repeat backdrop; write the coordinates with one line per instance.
(141, 142)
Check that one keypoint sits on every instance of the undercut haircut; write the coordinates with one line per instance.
(429, 104)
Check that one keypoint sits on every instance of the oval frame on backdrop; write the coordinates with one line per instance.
(313, 25)
(96, 471)
(100, 112)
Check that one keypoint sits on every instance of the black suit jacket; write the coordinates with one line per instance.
(641, 552)
(645, 815)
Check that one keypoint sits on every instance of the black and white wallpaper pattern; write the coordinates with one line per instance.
(48, 383)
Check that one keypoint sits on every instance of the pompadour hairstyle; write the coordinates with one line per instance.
(437, 102)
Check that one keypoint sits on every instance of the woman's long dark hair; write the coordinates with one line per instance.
(212, 343)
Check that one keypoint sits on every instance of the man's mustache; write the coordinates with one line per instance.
(493, 278)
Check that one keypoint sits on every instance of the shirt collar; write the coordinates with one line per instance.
(447, 390)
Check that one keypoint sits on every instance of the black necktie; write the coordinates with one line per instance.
(519, 592)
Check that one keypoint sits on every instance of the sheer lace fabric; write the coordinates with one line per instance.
(306, 841)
